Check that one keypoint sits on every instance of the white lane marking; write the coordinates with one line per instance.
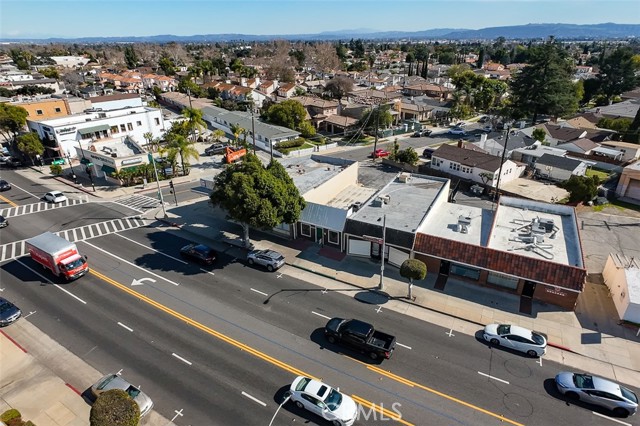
(49, 281)
(611, 418)
(404, 346)
(24, 190)
(181, 359)
(178, 413)
(320, 315)
(125, 327)
(258, 291)
(254, 399)
(129, 263)
(491, 377)
(450, 333)
(539, 361)
(152, 249)
(379, 309)
(208, 272)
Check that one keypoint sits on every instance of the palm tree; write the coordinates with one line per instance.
(237, 131)
(194, 120)
(217, 134)
(180, 145)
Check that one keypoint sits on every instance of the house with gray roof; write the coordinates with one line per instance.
(474, 166)
(495, 146)
(581, 146)
(558, 168)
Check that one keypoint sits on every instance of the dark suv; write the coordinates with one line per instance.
(199, 253)
(216, 149)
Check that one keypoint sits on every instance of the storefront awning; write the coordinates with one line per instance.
(108, 169)
(94, 129)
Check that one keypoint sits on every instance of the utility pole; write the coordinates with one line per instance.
(375, 143)
(155, 172)
(504, 150)
(384, 235)
(253, 132)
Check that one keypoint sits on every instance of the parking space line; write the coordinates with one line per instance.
(258, 291)
(611, 418)
(492, 377)
(253, 398)
(320, 315)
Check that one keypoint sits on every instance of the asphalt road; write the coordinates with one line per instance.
(221, 344)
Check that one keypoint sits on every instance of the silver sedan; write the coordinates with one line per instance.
(598, 391)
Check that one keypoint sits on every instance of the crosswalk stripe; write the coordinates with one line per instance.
(26, 209)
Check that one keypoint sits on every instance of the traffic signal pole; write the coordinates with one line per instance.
(173, 191)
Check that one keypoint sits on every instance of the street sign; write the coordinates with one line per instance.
(372, 239)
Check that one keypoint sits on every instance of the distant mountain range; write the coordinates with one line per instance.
(529, 31)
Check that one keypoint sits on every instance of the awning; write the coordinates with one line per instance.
(94, 129)
(108, 169)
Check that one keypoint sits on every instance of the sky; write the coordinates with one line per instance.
(107, 18)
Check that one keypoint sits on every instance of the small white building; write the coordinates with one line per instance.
(64, 134)
(622, 275)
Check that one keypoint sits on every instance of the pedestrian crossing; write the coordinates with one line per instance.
(38, 208)
(18, 248)
(138, 202)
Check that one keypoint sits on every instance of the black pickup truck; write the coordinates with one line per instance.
(361, 336)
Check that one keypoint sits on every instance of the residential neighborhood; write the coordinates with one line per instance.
(210, 216)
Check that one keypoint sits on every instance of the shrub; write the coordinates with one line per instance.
(56, 169)
(407, 156)
(413, 269)
(114, 408)
(10, 415)
(290, 144)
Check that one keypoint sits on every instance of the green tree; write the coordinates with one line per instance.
(306, 129)
(633, 132)
(617, 73)
(50, 73)
(582, 188)
(114, 408)
(257, 196)
(130, 57)
(408, 156)
(217, 135)
(194, 121)
(167, 65)
(182, 146)
(376, 118)
(237, 130)
(30, 145)
(545, 85)
(289, 113)
(12, 120)
(539, 135)
(413, 269)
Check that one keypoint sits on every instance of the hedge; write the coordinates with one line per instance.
(290, 144)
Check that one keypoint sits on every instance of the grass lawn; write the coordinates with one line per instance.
(601, 175)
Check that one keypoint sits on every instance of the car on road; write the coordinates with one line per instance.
(421, 133)
(517, 338)
(199, 253)
(379, 153)
(10, 162)
(321, 399)
(114, 381)
(54, 197)
(270, 259)
(598, 391)
(488, 128)
(460, 124)
(216, 149)
(4, 185)
(457, 131)
(3, 222)
(9, 313)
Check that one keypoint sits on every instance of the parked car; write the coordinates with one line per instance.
(488, 128)
(199, 253)
(216, 149)
(10, 162)
(421, 133)
(9, 313)
(114, 381)
(483, 119)
(270, 259)
(3, 222)
(54, 197)
(323, 400)
(517, 338)
(4, 185)
(428, 152)
(598, 391)
(457, 131)
(379, 153)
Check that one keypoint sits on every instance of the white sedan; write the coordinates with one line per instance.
(516, 338)
(54, 197)
(323, 400)
(457, 131)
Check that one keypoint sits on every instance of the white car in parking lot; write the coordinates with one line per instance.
(516, 338)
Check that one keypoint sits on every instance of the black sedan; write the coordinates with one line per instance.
(4, 185)
(199, 253)
(9, 312)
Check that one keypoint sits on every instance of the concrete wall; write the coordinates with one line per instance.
(329, 189)
(615, 278)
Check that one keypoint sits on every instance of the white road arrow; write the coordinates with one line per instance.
(141, 281)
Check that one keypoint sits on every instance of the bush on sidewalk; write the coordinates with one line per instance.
(114, 408)
(13, 417)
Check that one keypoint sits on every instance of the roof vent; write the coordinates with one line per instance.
(464, 220)
(404, 177)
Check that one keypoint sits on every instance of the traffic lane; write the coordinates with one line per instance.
(174, 363)
(184, 191)
(267, 339)
(60, 218)
(475, 376)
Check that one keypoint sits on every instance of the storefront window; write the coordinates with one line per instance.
(465, 271)
(305, 230)
(333, 237)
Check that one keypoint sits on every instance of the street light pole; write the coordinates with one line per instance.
(384, 235)
(73, 171)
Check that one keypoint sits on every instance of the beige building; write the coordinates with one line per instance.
(629, 183)
(45, 108)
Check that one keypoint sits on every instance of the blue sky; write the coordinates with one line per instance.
(95, 18)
